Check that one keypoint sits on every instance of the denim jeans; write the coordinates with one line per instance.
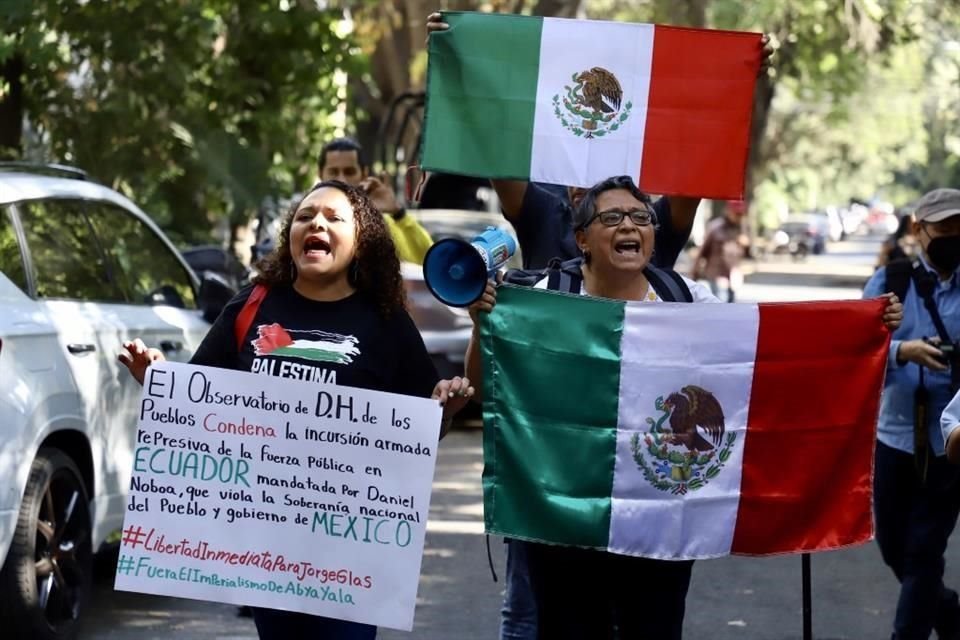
(518, 617)
(914, 521)
(273, 624)
(581, 593)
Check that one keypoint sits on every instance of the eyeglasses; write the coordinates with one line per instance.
(639, 217)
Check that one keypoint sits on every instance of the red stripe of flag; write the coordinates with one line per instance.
(808, 454)
(698, 113)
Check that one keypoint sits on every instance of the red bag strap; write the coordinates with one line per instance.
(248, 313)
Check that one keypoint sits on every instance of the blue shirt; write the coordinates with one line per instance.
(950, 419)
(545, 229)
(895, 428)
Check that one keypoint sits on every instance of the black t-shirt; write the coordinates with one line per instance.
(545, 229)
(347, 342)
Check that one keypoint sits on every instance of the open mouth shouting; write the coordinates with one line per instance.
(315, 248)
(627, 247)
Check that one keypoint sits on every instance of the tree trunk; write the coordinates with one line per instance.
(557, 8)
(11, 108)
(762, 101)
(688, 13)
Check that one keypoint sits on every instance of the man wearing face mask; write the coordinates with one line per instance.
(916, 490)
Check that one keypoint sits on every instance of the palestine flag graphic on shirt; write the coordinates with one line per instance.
(322, 346)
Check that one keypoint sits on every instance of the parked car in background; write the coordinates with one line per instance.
(465, 225)
(219, 261)
(446, 330)
(800, 235)
(881, 219)
(832, 224)
(853, 218)
(82, 269)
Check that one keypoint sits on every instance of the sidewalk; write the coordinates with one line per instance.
(785, 270)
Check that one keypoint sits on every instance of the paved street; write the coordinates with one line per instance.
(733, 598)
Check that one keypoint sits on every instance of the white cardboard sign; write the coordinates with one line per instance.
(270, 492)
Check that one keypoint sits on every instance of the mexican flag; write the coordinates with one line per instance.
(573, 102)
(671, 430)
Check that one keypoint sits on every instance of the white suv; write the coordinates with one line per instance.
(81, 270)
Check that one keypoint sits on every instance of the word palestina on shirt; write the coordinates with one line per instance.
(297, 371)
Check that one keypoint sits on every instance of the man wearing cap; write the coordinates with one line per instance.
(916, 490)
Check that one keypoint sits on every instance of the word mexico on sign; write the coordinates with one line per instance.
(249, 489)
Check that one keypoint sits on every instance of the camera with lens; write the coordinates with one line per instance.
(949, 356)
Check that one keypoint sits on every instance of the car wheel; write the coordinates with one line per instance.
(46, 577)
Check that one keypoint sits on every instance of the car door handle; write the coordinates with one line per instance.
(171, 346)
(77, 348)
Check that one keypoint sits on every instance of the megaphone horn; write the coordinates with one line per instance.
(456, 272)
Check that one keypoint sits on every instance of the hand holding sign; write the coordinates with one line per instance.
(284, 494)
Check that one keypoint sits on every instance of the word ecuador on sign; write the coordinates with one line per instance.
(279, 493)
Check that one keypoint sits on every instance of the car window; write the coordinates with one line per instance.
(148, 269)
(66, 259)
(11, 262)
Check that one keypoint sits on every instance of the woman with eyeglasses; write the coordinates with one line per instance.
(583, 593)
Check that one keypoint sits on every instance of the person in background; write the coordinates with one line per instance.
(627, 597)
(916, 491)
(334, 270)
(541, 215)
(724, 246)
(901, 245)
(342, 159)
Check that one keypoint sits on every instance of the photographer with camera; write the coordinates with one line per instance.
(916, 490)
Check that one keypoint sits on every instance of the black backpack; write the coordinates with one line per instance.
(899, 275)
(568, 277)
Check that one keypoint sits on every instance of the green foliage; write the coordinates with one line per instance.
(198, 110)
(862, 100)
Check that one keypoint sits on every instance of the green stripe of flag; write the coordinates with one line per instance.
(556, 487)
(482, 80)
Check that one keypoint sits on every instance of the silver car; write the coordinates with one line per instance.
(82, 269)
(446, 330)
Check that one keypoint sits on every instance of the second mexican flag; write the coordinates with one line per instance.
(575, 101)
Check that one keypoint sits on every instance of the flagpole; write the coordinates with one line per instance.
(807, 607)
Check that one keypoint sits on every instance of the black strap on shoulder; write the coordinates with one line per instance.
(898, 275)
(570, 278)
(926, 284)
(524, 277)
(553, 275)
(567, 276)
(668, 284)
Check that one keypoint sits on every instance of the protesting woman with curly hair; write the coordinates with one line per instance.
(333, 276)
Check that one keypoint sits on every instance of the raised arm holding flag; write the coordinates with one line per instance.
(603, 412)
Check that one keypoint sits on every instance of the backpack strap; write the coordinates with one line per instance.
(524, 277)
(570, 276)
(668, 284)
(248, 313)
(898, 276)
(561, 276)
(553, 279)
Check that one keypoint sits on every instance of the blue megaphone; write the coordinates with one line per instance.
(456, 272)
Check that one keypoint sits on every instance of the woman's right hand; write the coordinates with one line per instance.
(136, 357)
(485, 303)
